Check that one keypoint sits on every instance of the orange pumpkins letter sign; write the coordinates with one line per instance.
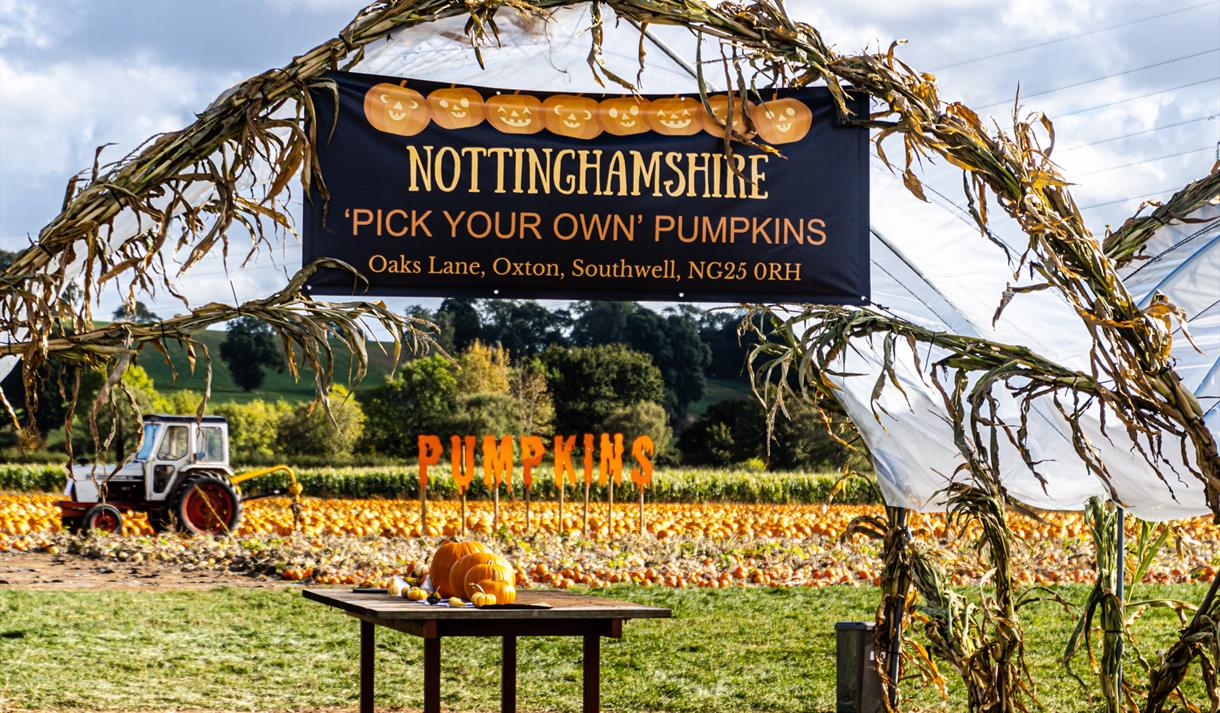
(395, 109)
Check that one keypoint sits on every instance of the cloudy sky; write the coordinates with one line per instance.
(1133, 87)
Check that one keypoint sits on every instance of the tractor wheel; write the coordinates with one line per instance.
(206, 504)
(106, 518)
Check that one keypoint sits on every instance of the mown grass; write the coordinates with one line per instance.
(250, 650)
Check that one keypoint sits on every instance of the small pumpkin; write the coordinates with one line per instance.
(624, 116)
(576, 117)
(515, 113)
(457, 574)
(675, 116)
(456, 107)
(496, 571)
(395, 109)
(442, 563)
(782, 121)
(504, 592)
(718, 105)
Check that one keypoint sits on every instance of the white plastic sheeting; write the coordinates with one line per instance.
(930, 266)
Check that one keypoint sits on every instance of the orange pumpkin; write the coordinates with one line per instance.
(456, 107)
(567, 115)
(624, 116)
(504, 592)
(395, 109)
(515, 113)
(457, 573)
(494, 572)
(782, 121)
(442, 563)
(718, 105)
(676, 116)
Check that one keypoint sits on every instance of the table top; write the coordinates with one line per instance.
(563, 605)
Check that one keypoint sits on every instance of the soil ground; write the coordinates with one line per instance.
(44, 571)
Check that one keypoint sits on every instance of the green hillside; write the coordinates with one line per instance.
(276, 385)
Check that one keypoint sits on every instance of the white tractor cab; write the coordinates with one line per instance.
(180, 477)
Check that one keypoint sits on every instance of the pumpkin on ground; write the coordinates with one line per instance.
(504, 592)
(395, 109)
(624, 116)
(515, 113)
(457, 574)
(456, 107)
(782, 121)
(500, 571)
(442, 563)
(572, 116)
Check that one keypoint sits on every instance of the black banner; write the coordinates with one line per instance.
(441, 190)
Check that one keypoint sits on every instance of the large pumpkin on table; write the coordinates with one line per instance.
(442, 563)
(457, 574)
(395, 109)
(500, 571)
(515, 113)
(456, 107)
(504, 592)
(624, 116)
(782, 121)
(675, 116)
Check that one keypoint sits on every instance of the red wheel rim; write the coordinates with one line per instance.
(106, 521)
(208, 507)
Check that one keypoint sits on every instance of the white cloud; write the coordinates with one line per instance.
(28, 24)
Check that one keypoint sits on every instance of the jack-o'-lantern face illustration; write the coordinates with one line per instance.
(395, 109)
(571, 116)
(624, 116)
(718, 105)
(782, 121)
(515, 113)
(678, 116)
(456, 107)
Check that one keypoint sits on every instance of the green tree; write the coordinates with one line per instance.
(524, 327)
(248, 349)
(529, 387)
(486, 414)
(420, 399)
(460, 317)
(115, 412)
(253, 428)
(483, 369)
(643, 418)
(139, 314)
(589, 384)
(309, 430)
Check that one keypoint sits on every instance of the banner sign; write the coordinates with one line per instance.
(440, 190)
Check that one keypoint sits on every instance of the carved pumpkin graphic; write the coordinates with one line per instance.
(395, 109)
(719, 106)
(676, 116)
(567, 115)
(624, 116)
(456, 107)
(782, 121)
(515, 113)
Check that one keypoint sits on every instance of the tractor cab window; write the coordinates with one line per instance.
(175, 444)
(211, 445)
(150, 439)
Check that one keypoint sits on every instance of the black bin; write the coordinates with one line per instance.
(857, 684)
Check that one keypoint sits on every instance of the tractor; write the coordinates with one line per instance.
(180, 477)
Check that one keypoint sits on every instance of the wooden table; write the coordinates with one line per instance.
(569, 615)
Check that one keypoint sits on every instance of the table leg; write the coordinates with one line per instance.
(432, 675)
(593, 674)
(367, 648)
(508, 675)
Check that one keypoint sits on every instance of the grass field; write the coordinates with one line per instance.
(276, 385)
(257, 650)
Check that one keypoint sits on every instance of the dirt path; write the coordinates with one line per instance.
(41, 570)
